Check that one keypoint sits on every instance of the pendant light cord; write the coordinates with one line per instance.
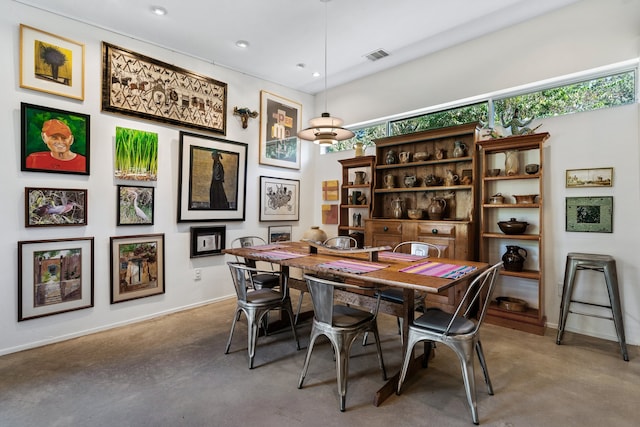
(326, 20)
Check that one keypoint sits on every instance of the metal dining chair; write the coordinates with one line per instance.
(460, 331)
(341, 324)
(265, 279)
(335, 242)
(255, 303)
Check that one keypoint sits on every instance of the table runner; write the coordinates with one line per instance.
(400, 256)
(353, 266)
(438, 269)
(277, 255)
(265, 247)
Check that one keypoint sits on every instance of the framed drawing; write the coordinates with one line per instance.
(136, 155)
(590, 214)
(45, 207)
(137, 267)
(135, 205)
(54, 140)
(139, 86)
(279, 233)
(279, 199)
(207, 241)
(212, 181)
(51, 64)
(280, 121)
(598, 177)
(54, 276)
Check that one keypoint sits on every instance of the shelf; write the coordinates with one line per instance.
(511, 205)
(517, 142)
(506, 178)
(346, 227)
(355, 206)
(356, 185)
(426, 163)
(511, 236)
(524, 274)
(418, 189)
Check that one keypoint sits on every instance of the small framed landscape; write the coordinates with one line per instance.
(51, 64)
(54, 276)
(50, 207)
(598, 177)
(279, 233)
(590, 214)
(280, 122)
(135, 205)
(137, 267)
(206, 241)
(279, 199)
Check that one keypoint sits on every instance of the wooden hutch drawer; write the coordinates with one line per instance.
(388, 227)
(437, 229)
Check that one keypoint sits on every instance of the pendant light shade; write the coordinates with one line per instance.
(325, 130)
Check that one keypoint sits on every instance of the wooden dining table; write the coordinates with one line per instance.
(378, 268)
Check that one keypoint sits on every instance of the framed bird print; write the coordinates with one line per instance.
(48, 207)
(135, 205)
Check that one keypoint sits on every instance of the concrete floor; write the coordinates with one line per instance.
(172, 371)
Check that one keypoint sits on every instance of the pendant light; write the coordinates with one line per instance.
(325, 130)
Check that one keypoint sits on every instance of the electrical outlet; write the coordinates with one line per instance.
(197, 274)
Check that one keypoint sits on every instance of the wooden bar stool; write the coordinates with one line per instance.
(604, 264)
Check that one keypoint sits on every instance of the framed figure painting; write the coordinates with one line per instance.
(280, 121)
(54, 140)
(212, 179)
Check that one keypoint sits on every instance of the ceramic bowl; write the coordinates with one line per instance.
(512, 304)
(414, 213)
(532, 168)
(493, 172)
(512, 226)
(420, 156)
(525, 199)
(496, 199)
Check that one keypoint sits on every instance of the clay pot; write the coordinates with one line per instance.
(315, 234)
(435, 211)
(512, 226)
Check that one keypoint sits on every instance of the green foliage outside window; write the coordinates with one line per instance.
(365, 135)
(440, 119)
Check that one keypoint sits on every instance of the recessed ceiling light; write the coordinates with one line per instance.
(316, 74)
(242, 44)
(160, 11)
(300, 66)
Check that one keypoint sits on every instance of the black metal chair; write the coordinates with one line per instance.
(341, 324)
(459, 331)
(255, 303)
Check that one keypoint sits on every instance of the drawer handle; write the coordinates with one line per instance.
(386, 228)
(434, 231)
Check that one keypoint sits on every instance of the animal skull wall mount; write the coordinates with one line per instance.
(244, 113)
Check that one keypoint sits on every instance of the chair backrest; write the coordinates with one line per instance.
(248, 241)
(242, 276)
(341, 242)
(477, 296)
(419, 248)
(322, 296)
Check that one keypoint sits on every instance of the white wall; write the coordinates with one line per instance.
(588, 34)
(181, 290)
(583, 36)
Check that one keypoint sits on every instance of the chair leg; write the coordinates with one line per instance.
(466, 365)
(289, 311)
(342, 370)
(483, 365)
(312, 340)
(299, 306)
(364, 338)
(411, 343)
(236, 316)
(253, 325)
(379, 348)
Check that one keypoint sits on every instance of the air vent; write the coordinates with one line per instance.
(376, 54)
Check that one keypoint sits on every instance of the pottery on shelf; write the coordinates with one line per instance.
(315, 234)
(513, 226)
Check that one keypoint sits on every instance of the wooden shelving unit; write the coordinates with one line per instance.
(347, 224)
(493, 242)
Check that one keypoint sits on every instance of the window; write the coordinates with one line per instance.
(456, 116)
(366, 135)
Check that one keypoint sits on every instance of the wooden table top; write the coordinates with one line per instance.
(389, 276)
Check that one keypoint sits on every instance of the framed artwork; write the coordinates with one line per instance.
(54, 140)
(54, 276)
(279, 199)
(143, 87)
(137, 267)
(330, 190)
(279, 233)
(51, 64)
(280, 121)
(47, 207)
(598, 177)
(329, 214)
(207, 241)
(136, 156)
(212, 182)
(135, 205)
(590, 214)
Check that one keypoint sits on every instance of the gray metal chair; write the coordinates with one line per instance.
(341, 324)
(335, 242)
(459, 331)
(255, 304)
(265, 279)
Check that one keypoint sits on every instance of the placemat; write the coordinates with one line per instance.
(278, 255)
(438, 269)
(400, 256)
(353, 266)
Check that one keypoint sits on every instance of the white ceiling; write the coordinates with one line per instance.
(284, 33)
